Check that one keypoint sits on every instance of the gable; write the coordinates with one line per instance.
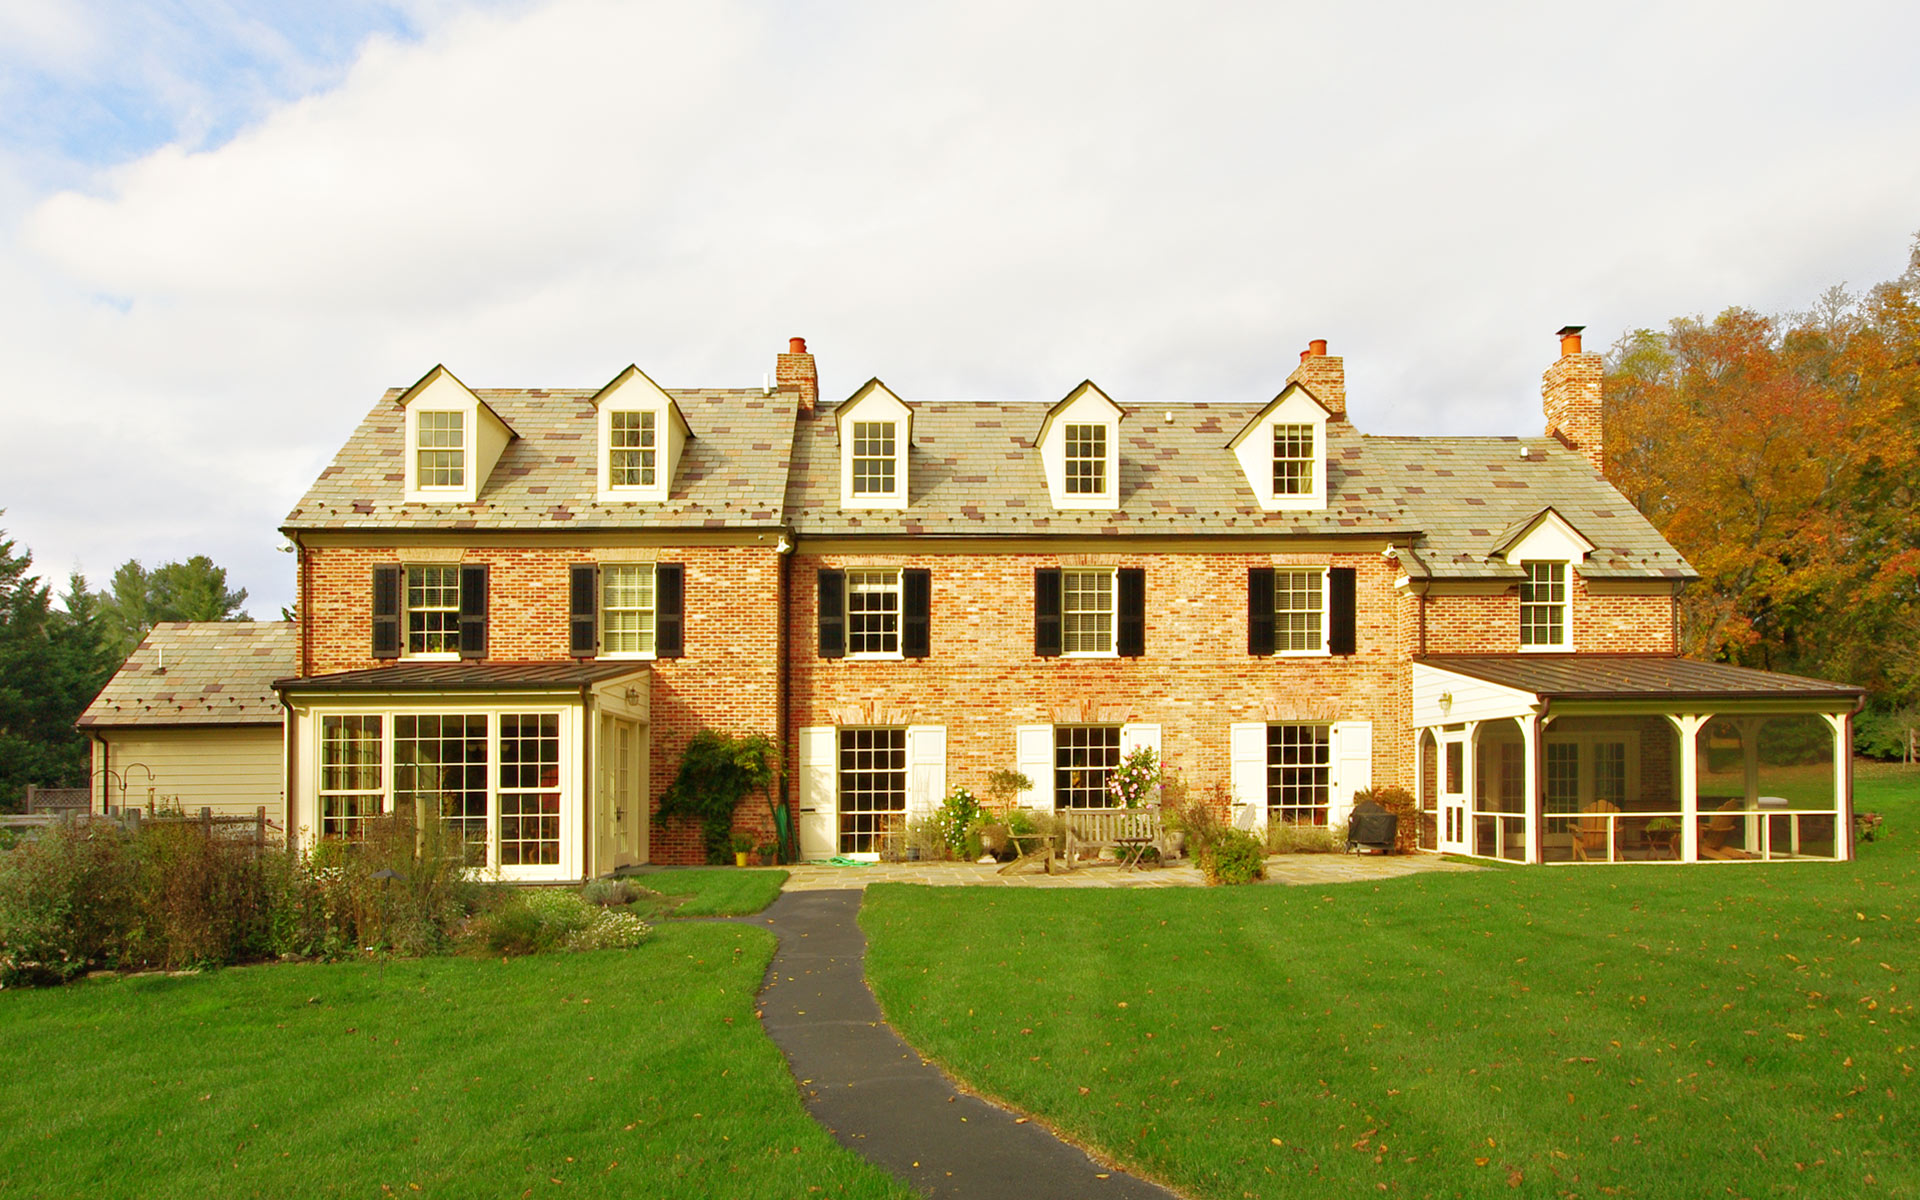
(1253, 447)
(631, 391)
(1085, 405)
(483, 436)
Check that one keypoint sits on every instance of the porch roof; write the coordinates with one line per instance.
(465, 677)
(1636, 677)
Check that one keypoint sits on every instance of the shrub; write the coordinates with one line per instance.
(1235, 856)
(1135, 780)
(716, 773)
(1401, 803)
(1286, 837)
(200, 899)
(66, 903)
(1203, 820)
(542, 920)
(959, 818)
(927, 836)
(1883, 735)
(608, 892)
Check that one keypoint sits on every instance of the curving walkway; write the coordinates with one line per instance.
(878, 1098)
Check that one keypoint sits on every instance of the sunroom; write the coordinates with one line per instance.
(537, 771)
(1596, 758)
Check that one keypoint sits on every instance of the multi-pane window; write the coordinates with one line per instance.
(873, 787)
(1293, 460)
(433, 610)
(1543, 605)
(529, 789)
(873, 612)
(1299, 610)
(1563, 777)
(1084, 759)
(626, 608)
(1610, 773)
(440, 442)
(351, 789)
(1086, 612)
(873, 458)
(1086, 447)
(1299, 759)
(440, 772)
(632, 452)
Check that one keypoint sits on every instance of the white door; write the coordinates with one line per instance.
(819, 817)
(1454, 834)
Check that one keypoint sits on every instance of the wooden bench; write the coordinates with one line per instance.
(1128, 832)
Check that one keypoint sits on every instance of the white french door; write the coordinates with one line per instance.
(1455, 834)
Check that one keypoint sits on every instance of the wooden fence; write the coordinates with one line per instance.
(253, 830)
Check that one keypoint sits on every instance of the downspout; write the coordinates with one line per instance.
(105, 773)
(783, 550)
(287, 773)
(301, 597)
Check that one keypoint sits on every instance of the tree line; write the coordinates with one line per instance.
(1781, 455)
(54, 660)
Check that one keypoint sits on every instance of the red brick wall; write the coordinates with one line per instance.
(1604, 623)
(727, 679)
(983, 679)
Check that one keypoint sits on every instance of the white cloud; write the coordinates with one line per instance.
(980, 199)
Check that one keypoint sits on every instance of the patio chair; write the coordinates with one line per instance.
(1590, 833)
(1713, 839)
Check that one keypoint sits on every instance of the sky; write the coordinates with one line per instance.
(227, 227)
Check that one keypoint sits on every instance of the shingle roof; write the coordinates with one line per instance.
(198, 673)
(973, 471)
(732, 473)
(1635, 677)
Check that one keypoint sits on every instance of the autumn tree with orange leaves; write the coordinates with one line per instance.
(1781, 455)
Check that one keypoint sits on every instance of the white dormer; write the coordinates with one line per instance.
(874, 427)
(1283, 452)
(640, 433)
(1079, 442)
(452, 439)
(1543, 537)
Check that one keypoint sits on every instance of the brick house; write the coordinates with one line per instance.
(516, 606)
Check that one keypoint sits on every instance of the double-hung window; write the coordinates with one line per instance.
(1084, 759)
(627, 608)
(632, 449)
(441, 446)
(1543, 607)
(433, 611)
(873, 613)
(1299, 611)
(1299, 767)
(440, 773)
(873, 458)
(1086, 612)
(352, 787)
(1293, 460)
(1086, 460)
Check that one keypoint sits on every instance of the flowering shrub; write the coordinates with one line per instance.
(547, 919)
(1135, 780)
(956, 821)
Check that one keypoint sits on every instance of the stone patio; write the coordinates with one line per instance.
(1293, 869)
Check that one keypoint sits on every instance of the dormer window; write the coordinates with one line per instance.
(632, 449)
(1543, 607)
(1283, 451)
(873, 459)
(1293, 456)
(1086, 460)
(442, 447)
(453, 440)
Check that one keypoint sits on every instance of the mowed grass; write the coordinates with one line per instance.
(1718, 1030)
(712, 891)
(619, 1073)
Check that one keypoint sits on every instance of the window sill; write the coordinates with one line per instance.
(436, 656)
(876, 656)
(1322, 653)
(1566, 649)
(1083, 655)
(626, 656)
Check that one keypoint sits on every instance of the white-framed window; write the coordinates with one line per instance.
(352, 782)
(1086, 459)
(1586, 769)
(529, 789)
(874, 458)
(1300, 611)
(1084, 759)
(627, 609)
(872, 782)
(1543, 607)
(873, 614)
(1293, 455)
(440, 447)
(1087, 612)
(1299, 773)
(633, 448)
(433, 611)
(440, 773)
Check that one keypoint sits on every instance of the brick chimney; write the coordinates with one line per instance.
(1324, 376)
(1570, 393)
(794, 369)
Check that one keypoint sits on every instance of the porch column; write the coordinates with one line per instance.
(1530, 786)
(1469, 764)
(1842, 725)
(1688, 725)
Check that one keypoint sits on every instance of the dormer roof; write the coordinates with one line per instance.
(1083, 388)
(424, 384)
(633, 385)
(1286, 394)
(868, 393)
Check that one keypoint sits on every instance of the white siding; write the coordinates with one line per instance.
(231, 771)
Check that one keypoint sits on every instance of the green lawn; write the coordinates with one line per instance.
(711, 891)
(620, 1073)
(1719, 1030)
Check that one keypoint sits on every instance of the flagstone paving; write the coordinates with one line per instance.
(1294, 869)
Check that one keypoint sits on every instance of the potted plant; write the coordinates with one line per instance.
(1660, 833)
(742, 846)
(769, 853)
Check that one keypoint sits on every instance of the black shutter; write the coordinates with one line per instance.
(583, 610)
(916, 602)
(1046, 612)
(669, 610)
(833, 613)
(1259, 610)
(1340, 611)
(1131, 628)
(473, 610)
(386, 611)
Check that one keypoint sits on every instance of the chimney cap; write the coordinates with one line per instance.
(796, 345)
(1570, 330)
